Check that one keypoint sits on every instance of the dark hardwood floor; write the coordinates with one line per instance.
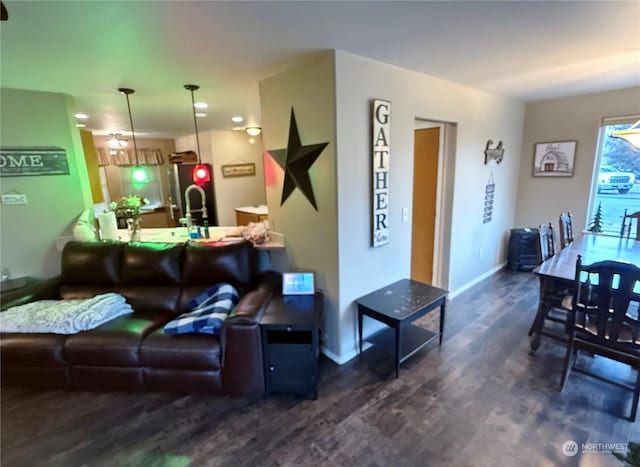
(479, 400)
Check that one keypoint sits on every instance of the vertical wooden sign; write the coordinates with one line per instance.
(381, 117)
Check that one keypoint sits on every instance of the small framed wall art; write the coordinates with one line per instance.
(238, 170)
(554, 159)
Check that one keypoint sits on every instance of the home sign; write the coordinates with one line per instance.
(18, 162)
(381, 117)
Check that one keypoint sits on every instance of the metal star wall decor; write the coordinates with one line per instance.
(296, 160)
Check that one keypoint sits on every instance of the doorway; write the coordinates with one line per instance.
(426, 150)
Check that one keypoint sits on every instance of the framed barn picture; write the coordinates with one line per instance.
(554, 159)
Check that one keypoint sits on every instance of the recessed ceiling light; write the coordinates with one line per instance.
(237, 119)
(201, 105)
(80, 125)
(81, 116)
(254, 130)
(201, 114)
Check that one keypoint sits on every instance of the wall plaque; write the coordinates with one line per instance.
(496, 153)
(20, 162)
(489, 194)
(238, 170)
(381, 119)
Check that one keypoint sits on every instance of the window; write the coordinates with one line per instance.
(616, 177)
(152, 190)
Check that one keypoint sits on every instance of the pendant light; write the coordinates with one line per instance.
(139, 176)
(200, 173)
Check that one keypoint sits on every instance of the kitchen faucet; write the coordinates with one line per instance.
(189, 189)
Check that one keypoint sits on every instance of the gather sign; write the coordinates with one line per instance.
(17, 162)
(381, 118)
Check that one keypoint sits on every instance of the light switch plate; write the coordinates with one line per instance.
(13, 198)
(405, 214)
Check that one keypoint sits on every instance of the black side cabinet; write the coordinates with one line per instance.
(523, 250)
(290, 342)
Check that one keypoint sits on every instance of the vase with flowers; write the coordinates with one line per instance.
(128, 207)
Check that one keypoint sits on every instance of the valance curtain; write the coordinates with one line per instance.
(146, 156)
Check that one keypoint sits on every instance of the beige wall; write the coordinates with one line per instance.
(577, 118)
(477, 249)
(29, 232)
(335, 241)
(311, 236)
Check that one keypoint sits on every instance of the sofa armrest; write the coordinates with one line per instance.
(35, 289)
(241, 341)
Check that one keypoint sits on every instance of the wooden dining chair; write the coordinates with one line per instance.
(546, 243)
(566, 229)
(627, 221)
(556, 300)
(604, 319)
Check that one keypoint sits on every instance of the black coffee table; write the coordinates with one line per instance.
(398, 305)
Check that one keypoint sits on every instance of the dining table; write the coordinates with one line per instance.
(557, 276)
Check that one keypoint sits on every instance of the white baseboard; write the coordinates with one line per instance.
(475, 281)
(341, 360)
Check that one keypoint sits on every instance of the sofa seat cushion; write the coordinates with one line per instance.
(116, 343)
(188, 352)
(25, 349)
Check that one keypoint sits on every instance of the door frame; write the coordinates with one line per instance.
(444, 198)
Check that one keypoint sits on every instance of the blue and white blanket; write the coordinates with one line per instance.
(207, 311)
(64, 316)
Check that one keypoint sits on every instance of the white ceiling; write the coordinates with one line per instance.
(531, 50)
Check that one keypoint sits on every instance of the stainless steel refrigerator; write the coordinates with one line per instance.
(180, 177)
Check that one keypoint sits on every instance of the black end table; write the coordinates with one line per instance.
(290, 341)
(398, 305)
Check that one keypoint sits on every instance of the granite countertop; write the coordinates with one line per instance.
(216, 235)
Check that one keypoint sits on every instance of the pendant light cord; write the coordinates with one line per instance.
(193, 87)
(126, 92)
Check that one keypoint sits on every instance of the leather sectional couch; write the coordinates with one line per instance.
(132, 352)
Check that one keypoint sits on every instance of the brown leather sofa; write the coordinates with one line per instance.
(132, 352)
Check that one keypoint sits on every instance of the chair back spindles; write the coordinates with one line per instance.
(546, 244)
(627, 221)
(603, 300)
(604, 318)
(566, 229)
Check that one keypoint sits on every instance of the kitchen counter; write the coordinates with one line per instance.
(260, 210)
(217, 235)
(247, 214)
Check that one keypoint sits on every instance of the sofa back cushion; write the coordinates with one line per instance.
(90, 268)
(151, 276)
(154, 277)
(205, 266)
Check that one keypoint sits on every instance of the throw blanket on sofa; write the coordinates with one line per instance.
(207, 311)
(64, 316)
